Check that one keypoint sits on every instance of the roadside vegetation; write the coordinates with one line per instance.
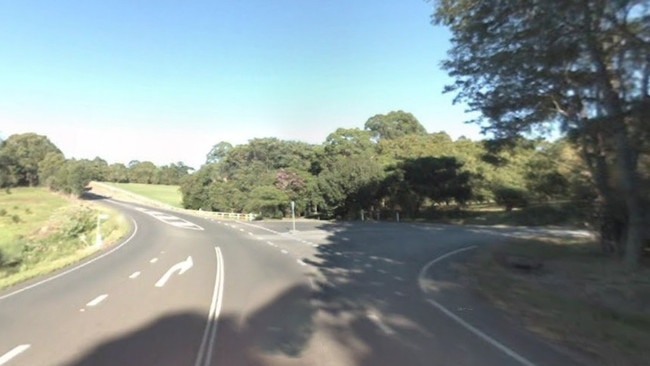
(579, 297)
(579, 69)
(41, 231)
(168, 194)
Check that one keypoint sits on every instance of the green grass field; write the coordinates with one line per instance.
(170, 195)
(41, 231)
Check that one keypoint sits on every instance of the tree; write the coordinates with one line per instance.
(393, 125)
(99, 169)
(173, 173)
(225, 197)
(144, 172)
(439, 179)
(349, 142)
(349, 183)
(195, 187)
(218, 152)
(48, 170)
(118, 173)
(583, 65)
(268, 202)
(510, 198)
(7, 176)
(24, 152)
(74, 176)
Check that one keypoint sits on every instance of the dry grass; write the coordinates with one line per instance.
(580, 298)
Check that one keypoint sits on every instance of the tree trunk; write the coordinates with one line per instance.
(625, 152)
(635, 217)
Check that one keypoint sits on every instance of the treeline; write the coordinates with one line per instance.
(30, 159)
(391, 166)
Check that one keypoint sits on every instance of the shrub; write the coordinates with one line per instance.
(510, 198)
(78, 223)
(15, 219)
(3, 212)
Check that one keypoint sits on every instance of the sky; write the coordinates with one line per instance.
(165, 80)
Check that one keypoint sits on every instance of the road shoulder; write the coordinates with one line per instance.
(446, 284)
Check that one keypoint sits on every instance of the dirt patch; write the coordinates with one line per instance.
(577, 298)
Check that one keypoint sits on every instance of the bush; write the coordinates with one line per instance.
(15, 219)
(510, 198)
(78, 223)
(7, 260)
(3, 212)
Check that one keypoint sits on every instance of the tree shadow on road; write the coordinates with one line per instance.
(278, 330)
(364, 308)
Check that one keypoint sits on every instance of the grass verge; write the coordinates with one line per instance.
(170, 195)
(579, 298)
(41, 231)
(560, 214)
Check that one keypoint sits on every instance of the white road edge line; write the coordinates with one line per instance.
(134, 275)
(301, 262)
(135, 230)
(284, 251)
(458, 319)
(13, 353)
(204, 356)
(153, 260)
(97, 300)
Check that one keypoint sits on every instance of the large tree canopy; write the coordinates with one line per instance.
(393, 125)
(583, 65)
(22, 154)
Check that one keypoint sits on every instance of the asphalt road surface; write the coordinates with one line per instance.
(187, 290)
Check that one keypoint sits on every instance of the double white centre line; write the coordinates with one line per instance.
(204, 357)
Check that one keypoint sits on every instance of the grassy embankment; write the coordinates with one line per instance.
(41, 231)
(579, 298)
(167, 194)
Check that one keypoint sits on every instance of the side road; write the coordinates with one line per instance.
(443, 287)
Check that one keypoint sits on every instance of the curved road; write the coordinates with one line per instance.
(186, 290)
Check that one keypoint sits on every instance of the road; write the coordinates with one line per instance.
(187, 290)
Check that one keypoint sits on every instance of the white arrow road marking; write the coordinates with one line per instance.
(180, 267)
(13, 353)
(97, 300)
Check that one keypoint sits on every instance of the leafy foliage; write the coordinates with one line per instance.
(393, 125)
(580, 65)
(510, 198)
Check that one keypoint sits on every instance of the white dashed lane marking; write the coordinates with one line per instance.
(96, 301)
(13, 353)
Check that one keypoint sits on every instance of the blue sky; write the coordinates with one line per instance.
(165, 80)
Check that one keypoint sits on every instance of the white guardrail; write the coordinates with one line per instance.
(151, 202)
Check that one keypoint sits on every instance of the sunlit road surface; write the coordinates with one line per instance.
(187, 290)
